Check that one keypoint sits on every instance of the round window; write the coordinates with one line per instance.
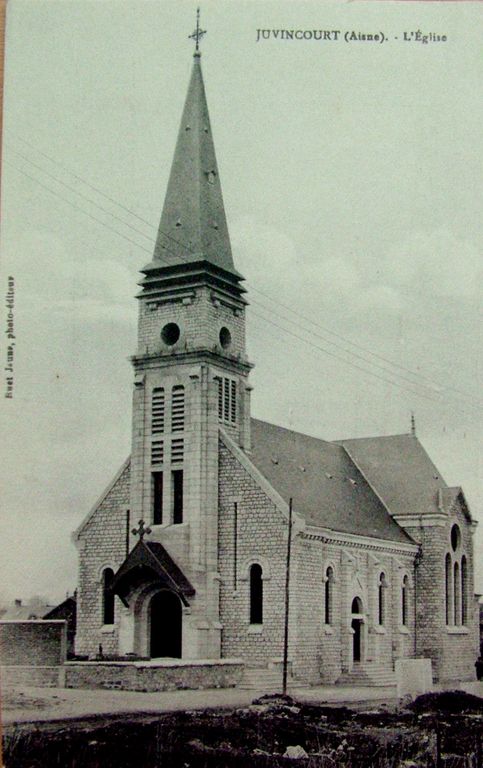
(455, 537)
(170, 334)
(225, 338)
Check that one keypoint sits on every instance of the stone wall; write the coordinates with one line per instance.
(261, 538)
(452, 649)
(319, 652)
(199, 319)
(152, 676)
(102, 544)
(41, 677)
(324, 650)
(34, 643)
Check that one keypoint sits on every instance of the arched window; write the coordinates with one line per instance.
(107, 597)
(448, 589)
(404, 601)
(256, 594)
(381, 607)
(457, 594)
(455, 537)
(328, 596)
(464, 591)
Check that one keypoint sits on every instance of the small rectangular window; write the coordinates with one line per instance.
(177, 476)
(157, 498)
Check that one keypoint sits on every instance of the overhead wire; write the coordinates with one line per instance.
(417, 374)
(187, 249)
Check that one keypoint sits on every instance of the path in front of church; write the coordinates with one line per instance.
(29, 705)
(35, 705)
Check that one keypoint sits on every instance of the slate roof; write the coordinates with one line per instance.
(400, 471)
(193, 222)
(151, 557)
(327, 488)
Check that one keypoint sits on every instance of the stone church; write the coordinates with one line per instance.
(184, 554)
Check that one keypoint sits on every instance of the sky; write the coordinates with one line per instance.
(351, 174)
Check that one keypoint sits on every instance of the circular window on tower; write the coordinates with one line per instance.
(455, 537)
(225, 337)
(170, 334)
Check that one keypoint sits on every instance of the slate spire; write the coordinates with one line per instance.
(193, 224)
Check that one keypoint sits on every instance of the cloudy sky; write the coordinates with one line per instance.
(351, 176)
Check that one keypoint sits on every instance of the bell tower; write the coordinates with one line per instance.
(190, 369)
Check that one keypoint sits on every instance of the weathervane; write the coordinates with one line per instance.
(142, 531)
(197, 34)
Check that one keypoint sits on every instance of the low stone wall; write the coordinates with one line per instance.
(42, 677)
(168, 675)
(36, 643)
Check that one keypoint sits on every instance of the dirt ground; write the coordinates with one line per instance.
(442, 731)
(25, 704)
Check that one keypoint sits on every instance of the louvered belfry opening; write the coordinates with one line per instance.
(227, 400)
(157, 411)
(177, 409)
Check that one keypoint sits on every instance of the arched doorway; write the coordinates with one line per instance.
(356, 624)
(165, 625)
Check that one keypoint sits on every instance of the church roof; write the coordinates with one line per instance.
(327, 488)
(401, 472)
(193, 224)
(150, 557)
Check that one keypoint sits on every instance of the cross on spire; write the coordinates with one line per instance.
(142, 531)
(197, 34)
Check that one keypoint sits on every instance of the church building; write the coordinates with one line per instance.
(184, 554)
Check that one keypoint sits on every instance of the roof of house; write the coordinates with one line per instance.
(327, 488)
(400, 471)
(19, 611)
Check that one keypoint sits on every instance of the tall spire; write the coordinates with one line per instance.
(193, 224)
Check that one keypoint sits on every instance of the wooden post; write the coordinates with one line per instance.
(287, 600)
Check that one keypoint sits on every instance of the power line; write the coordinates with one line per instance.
(431, 385)
(354, 354)
(347, 362)
(321, 349)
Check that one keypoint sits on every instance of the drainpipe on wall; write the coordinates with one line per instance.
(417, 561)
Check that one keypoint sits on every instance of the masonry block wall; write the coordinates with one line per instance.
(261, 538)
(318, 651)
(452, 646)
(102, 544)
(33, 643)
(324, 650)
(200, 316)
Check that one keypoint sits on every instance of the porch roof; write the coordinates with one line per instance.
(148, 559)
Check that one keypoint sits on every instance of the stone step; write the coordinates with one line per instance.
(368, 675)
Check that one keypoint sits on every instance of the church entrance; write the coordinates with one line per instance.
(356, 624)
(165, 622)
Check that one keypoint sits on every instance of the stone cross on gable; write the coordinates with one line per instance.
(142, 531)
(198, 33)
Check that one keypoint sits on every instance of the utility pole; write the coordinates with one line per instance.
(287, 600)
